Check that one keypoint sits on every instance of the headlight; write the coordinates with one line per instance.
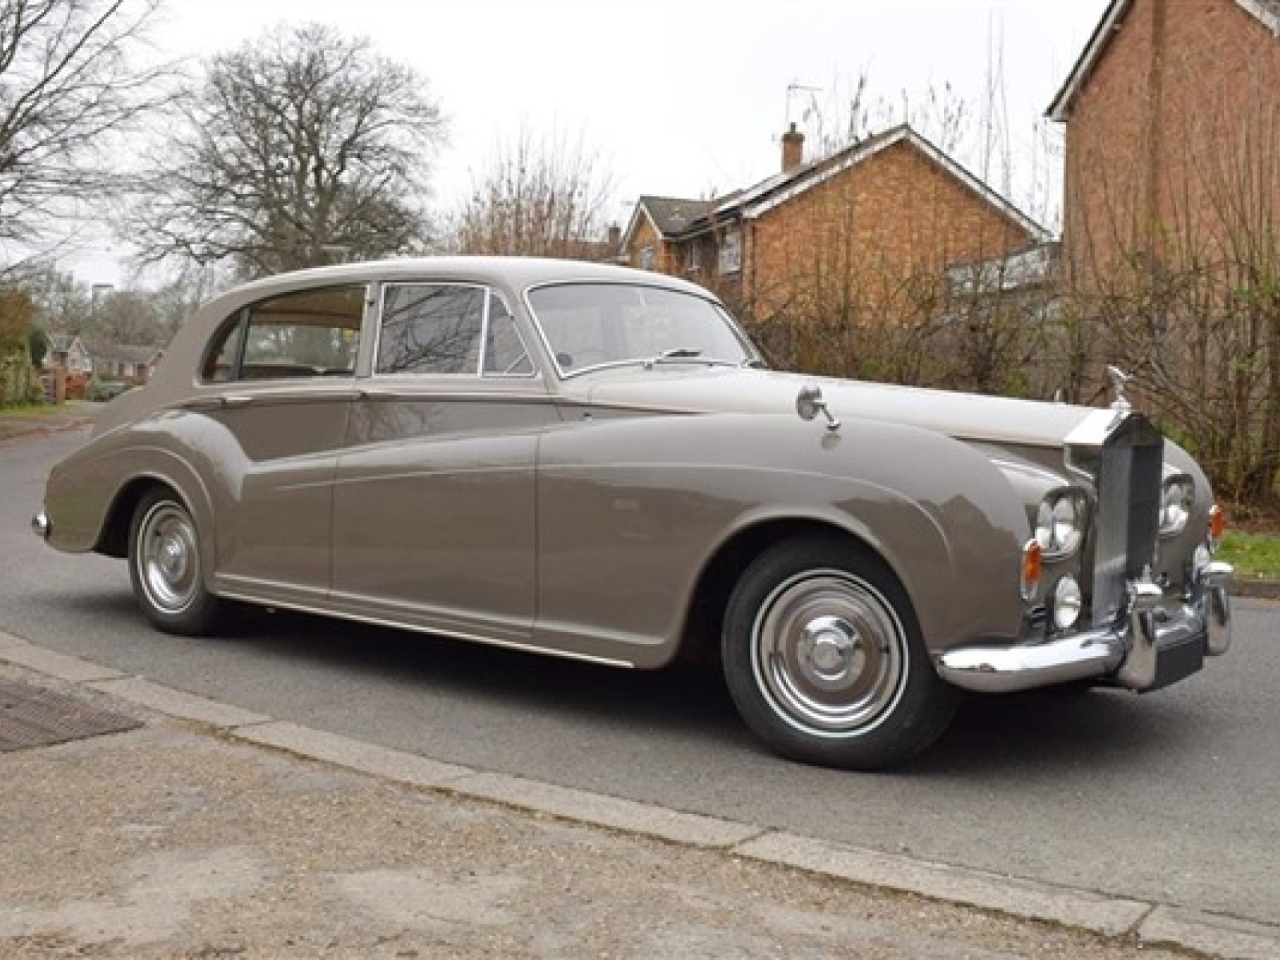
(1060, 523)
(1176, 497)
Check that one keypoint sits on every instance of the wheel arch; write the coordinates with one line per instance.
(699, 641)
(113, 539)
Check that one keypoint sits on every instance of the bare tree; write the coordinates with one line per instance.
(538, 198)
(129, 317)
(300, 149)
(66, 88)
(178, 295)
(60, 302)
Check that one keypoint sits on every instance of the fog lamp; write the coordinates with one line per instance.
(1067, 603)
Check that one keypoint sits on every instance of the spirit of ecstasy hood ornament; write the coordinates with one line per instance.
(1118, 378)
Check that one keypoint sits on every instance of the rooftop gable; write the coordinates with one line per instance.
(781, 187)
(1266, 12)
(65, 342)
(669, 216)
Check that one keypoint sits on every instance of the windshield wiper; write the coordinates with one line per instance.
(675, 353)
(688, 353)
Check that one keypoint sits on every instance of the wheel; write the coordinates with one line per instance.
(823, 657)
(166, 568)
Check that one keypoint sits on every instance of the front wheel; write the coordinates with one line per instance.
(166, 567)
(824, 659)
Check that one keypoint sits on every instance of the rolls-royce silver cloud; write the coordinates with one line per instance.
(594, 462)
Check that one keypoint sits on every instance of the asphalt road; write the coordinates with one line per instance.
(1172, 796)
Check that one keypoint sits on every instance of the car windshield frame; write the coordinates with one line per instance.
(667, 351)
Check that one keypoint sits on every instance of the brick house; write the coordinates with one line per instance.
(1172, 135)
(875, 226)
(68, 365)
(69, 352)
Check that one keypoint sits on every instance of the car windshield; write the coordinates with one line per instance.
(591, 325)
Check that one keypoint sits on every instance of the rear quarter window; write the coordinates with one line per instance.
(309, 333)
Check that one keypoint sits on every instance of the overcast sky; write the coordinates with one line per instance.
(684, 97)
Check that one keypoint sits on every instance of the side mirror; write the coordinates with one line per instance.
(809, 403)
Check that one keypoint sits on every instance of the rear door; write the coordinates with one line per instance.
(279, 381)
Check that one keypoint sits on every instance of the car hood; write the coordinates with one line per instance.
(964, 416)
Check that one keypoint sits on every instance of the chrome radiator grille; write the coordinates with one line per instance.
(1128, 469)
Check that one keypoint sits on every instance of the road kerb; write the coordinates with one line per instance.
(9, 642)
(177, 703)
(407, 768)
(1015, 896)
(57, 665)
(584, 806)
(1212, 934)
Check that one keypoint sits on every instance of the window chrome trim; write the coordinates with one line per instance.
(535, 373)
(478, 373)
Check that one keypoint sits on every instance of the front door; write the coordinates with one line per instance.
(434, 518)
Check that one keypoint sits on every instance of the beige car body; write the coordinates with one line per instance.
(605, 514)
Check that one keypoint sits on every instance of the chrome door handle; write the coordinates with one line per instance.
(237, 400)
(203, 403)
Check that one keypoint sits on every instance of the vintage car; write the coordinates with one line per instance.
(594, 462)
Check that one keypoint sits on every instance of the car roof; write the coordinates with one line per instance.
(513, 272)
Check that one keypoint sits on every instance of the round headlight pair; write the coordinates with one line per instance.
(1060, 523)
(1177, 495)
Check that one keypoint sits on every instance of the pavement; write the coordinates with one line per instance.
(167, 825)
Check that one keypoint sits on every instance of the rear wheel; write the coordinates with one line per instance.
(166, 567)
(824, 659)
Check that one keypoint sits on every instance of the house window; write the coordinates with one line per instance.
(647, 258)
(730, 259)
(693, 257)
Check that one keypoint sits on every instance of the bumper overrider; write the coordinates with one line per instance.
(1157, 641)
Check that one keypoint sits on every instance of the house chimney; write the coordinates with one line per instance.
(792, 149)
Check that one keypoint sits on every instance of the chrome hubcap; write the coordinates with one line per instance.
(830, 650)
(829, 653)
(168, 558)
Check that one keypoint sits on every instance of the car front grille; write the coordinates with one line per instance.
(1128, 512)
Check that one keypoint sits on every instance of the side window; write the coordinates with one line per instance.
(431, 328)
(311, 333)
(504, 354)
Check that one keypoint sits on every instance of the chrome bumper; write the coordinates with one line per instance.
(1150, 647)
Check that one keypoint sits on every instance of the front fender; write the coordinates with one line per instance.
(630, 511)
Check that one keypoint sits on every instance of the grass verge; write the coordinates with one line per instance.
(1256, 556)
